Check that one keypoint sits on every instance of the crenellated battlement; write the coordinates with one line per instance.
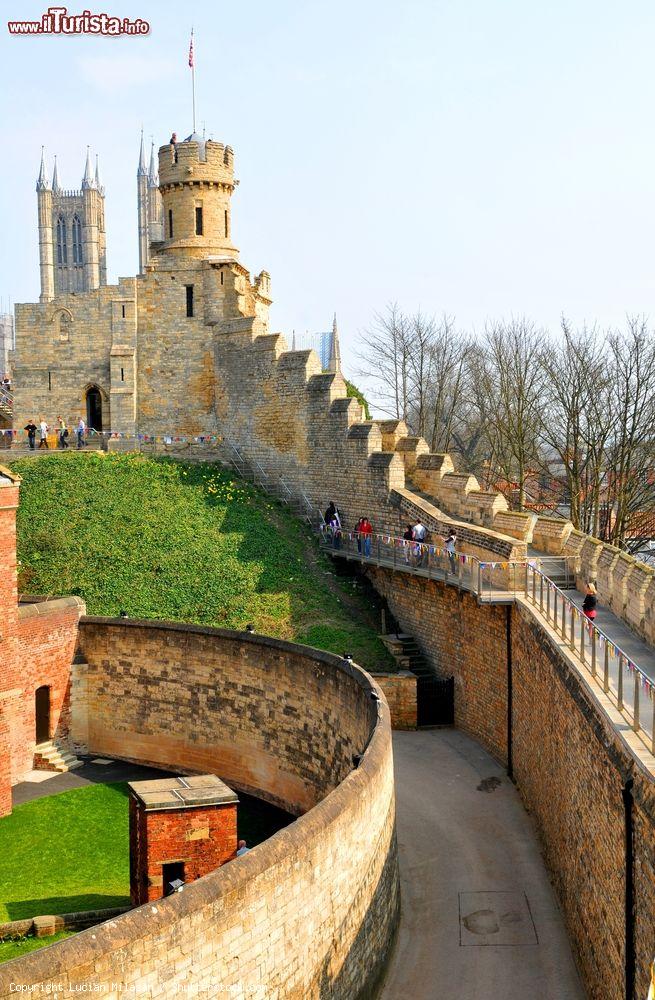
(197, 161)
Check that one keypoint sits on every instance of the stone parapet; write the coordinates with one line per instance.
(550, 534)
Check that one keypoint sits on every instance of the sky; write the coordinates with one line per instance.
(480, 158)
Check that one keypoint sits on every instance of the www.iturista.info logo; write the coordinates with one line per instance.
(57, 21)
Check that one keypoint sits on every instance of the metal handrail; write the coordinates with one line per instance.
(589, 659)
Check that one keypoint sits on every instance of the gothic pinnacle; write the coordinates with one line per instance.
(43, 184)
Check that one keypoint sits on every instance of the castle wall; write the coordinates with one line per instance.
(570, 762)
(64, 346)
(309, 913)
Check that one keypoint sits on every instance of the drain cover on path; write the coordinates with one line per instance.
(500, 918)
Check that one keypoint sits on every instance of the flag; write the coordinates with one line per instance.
(191, 51)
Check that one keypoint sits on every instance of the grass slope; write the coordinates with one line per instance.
(165, 539)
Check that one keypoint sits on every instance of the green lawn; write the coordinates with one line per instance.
(187, 542)
(66, 852)
(16, 949)
(69, 852)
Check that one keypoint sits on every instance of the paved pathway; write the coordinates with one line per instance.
(480, 920)
(41, 783)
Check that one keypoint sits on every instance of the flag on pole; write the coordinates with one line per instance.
(191, 51)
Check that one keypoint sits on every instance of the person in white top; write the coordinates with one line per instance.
(81, 427)
(449, 546)
(43, 434)
(419, 531)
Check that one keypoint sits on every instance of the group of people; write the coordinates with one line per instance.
(63, 433)
(415, 537)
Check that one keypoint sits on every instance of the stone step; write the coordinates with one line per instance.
(57, 757)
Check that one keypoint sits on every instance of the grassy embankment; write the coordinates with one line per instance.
(186, 542)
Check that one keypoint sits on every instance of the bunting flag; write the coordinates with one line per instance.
(191, 51)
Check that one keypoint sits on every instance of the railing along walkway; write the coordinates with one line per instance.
(606, 651)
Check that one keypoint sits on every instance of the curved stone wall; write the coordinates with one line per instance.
(310, 912)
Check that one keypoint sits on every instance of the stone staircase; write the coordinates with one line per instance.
(51, 756)
(434, 693)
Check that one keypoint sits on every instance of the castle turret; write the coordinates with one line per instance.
(196, 181)
(46, 246)
(155, 207)
(142, 207)
(334, 364)
(91, 198)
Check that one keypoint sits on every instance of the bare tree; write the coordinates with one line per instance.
(385, 358)
(512, 380)
(631, 452)
(576, 425)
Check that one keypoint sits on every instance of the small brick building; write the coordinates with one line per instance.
(180, 830)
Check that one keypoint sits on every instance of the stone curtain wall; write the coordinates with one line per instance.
(252, 712)
(312, 911)
(569, 764)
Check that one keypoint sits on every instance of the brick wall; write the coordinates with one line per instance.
(309, 913)
(37, 644)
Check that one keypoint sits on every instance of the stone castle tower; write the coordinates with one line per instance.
(72, 242)
(149, 204)
(140, 357)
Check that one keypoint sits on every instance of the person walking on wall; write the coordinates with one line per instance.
(63, 433)
(31, 433)
(449, 545)
(333, 521)
(81, 428)
(590, 602)
(407, 539)
(419, 532)
(43, 434)
(358, 532)
(366, 530)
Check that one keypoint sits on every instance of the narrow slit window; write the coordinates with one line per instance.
(170, 223)
(226, 224)
(222, 277)
(123, 311)
(49, 381)
(189, 300)
(122, 374)
(198, 220)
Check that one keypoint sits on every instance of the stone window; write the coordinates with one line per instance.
(198, 220)
(62, 249)
(189, 300)
(170, 223)
(77, 241)
(64, 326)
(227, 224)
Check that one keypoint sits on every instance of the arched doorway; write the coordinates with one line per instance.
(94, 408)
(42, 714)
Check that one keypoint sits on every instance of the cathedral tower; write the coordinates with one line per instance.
(72, 242)
(149, 204)
(196, 181)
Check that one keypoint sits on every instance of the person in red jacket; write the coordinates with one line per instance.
(366, 534)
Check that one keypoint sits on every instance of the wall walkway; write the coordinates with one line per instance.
(469, 858)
